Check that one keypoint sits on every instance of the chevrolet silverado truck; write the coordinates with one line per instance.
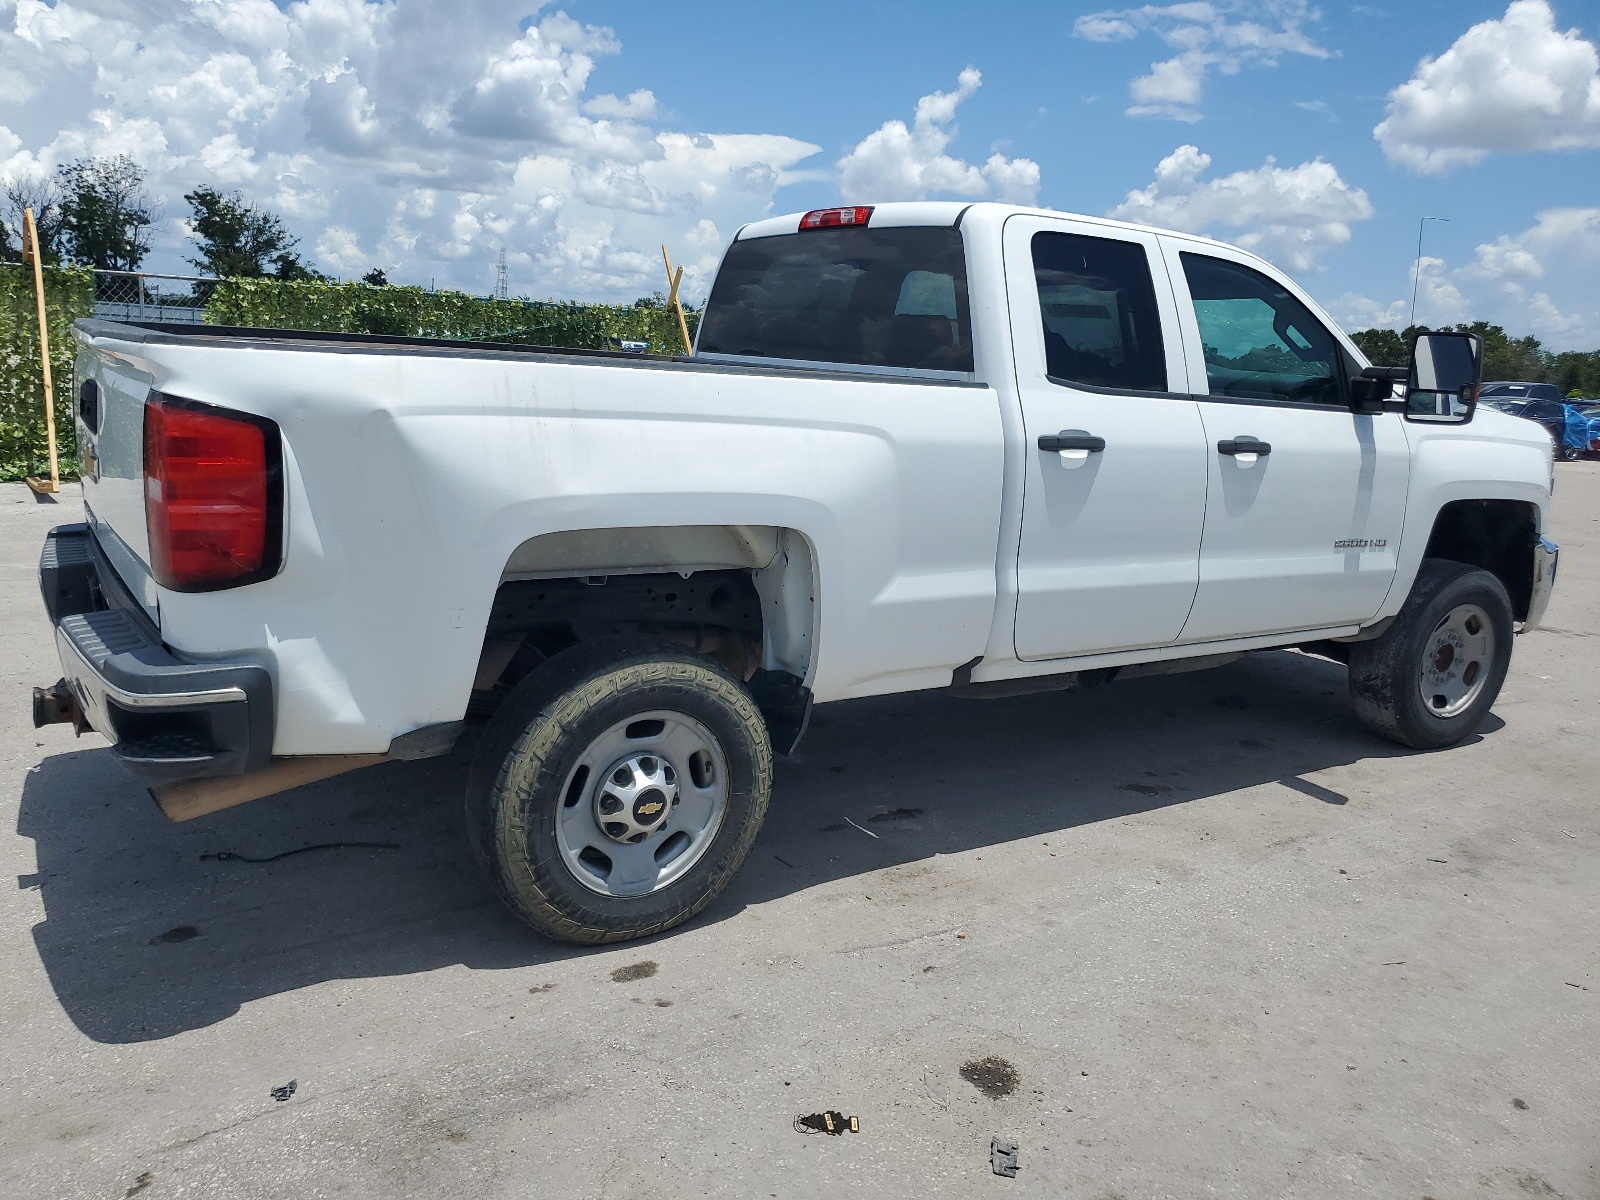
(977, 448)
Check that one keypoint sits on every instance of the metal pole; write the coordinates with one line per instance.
(1416, 274)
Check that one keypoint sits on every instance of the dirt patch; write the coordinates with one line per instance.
(992, 1076)
(895, 814)
(638, 970)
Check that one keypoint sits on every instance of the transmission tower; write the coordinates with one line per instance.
(502, 278)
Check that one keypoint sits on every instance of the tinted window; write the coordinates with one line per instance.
(1098, 304)
(1546, 391)
(874, 297)
(1260, 342)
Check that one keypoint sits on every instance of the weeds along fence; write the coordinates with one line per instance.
(417, 312)
(69, 294)
(319, 305)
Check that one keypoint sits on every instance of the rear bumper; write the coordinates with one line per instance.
(167, 716)
(1545, 555)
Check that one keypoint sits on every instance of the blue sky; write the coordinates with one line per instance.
(423, 136)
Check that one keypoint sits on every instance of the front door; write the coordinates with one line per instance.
(1306, 497)
(1114, 492)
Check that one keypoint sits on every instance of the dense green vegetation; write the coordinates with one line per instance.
(69, 294)
(1504, 357)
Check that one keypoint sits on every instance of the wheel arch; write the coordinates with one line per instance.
(1495, 535)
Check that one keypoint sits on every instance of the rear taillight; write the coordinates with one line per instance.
(835, 218)
(213, 495)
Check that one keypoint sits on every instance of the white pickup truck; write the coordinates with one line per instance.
(979, 448)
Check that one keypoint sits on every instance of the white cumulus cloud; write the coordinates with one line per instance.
(895, 162)
(415, 135)
(1540, 280)
(1224, 36)
(1287, 214)
(1513, 84)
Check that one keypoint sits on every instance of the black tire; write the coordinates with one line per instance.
(530, 751)
(1566, 453)
(1386, 674)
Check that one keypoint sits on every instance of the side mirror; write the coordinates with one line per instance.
(1446, 371)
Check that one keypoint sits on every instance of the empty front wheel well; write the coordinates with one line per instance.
(1497, 535)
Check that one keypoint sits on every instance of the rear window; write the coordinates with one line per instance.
(858, 297)
(1547, 391)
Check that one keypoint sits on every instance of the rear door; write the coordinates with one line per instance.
(1115, 483)
(1306, 497)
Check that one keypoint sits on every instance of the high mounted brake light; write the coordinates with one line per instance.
(835, 218)
(213, 495)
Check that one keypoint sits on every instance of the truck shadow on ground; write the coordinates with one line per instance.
(147, 934)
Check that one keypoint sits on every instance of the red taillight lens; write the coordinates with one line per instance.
(835, 218)
(212, 495)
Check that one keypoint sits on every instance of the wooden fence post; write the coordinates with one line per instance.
(674, 278)
(31, 254)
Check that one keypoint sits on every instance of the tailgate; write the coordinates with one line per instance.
(110, 428)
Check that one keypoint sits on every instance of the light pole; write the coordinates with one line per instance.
(1416, 274)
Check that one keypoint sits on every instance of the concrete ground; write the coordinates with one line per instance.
(1228, 943)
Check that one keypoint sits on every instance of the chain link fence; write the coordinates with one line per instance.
(149, 296)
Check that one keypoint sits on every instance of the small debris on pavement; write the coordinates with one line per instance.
(638, 970)
(230, 856)
(833, 1123)
(1517, 1102)
(959, 934)
(179, 933)
(868, 832)
(144, 1180)
(1439, 860)
(933, 1088)
(1003, 1157)
(280, 1094)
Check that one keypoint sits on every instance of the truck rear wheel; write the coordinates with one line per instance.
(618, 789)
(1430, 680)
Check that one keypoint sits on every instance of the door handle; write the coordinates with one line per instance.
(1244, 445)
(1071, 439)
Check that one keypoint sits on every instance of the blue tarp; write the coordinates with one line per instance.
(1581, 430)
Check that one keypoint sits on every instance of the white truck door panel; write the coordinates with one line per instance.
(1108, 557)
(1303, 537)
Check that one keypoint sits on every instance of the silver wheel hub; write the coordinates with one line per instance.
(642, 804)
(635, 798)
(1456, 661)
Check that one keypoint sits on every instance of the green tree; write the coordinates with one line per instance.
(1384, 347)
(375, 278)
(241, 240)
(105, 215)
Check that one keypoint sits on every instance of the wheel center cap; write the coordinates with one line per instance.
(635, 798)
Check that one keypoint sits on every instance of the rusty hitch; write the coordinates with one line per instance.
(58, 705)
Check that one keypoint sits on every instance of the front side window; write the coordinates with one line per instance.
(1098, 304)
(1260, 342)
(871, 297)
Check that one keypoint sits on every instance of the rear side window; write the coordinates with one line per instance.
(1260, 341)
(860, 297)
(1098, 305)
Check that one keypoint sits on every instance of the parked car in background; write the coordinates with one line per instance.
(1541, 402)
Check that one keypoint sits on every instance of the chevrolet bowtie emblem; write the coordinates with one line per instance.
(651, 809)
